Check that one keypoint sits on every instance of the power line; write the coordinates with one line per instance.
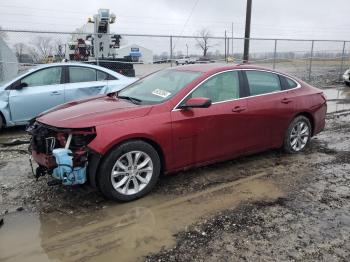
(187, 20)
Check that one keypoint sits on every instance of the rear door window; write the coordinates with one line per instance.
(262, 82)
(81, 74)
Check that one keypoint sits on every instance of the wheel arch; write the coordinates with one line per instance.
(4, 123)
(153, 143)
(311, 119)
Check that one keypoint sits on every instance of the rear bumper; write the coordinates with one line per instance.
(320, 119)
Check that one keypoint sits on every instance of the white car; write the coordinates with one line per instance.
(49, 85)
(186, 60)
(346, 77)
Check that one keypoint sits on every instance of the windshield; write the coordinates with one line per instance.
(159, 87)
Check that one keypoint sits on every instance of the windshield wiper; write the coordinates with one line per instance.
(132, 99)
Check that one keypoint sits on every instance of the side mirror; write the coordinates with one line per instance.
(21, 85)
(197, 102)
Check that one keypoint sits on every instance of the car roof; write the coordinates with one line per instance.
(217, 67)
(40, 66)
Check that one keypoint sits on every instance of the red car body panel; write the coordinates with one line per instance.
(187, 138)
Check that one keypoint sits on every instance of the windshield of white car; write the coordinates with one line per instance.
(159, 87)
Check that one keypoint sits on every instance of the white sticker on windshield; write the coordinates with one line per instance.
(161, 93)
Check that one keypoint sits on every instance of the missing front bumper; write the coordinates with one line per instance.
(61, 153)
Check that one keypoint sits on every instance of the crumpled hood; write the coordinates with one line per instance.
(92, 112)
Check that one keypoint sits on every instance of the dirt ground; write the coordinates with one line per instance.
(309, 222)
(269, 207)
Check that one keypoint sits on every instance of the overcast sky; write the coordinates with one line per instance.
(318, 19)
(295, 19)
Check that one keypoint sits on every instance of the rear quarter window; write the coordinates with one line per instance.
(291, 83)
(101, 76)
(288, 83)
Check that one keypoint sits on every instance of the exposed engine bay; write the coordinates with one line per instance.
(61, 153)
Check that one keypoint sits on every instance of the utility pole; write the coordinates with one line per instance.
(186, 50)
(225, 46)
(247, 31)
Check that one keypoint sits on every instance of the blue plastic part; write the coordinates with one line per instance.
(65, 171)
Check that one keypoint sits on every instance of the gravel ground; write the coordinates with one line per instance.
(311, 223)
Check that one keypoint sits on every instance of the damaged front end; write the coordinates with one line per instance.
(61, 152)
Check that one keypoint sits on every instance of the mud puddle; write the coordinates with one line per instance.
(126, 232)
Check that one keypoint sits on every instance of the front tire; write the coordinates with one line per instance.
(298, 135)
(347, 83)
(1, 123)
(129, 171)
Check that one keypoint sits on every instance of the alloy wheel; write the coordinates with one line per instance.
(132, 172)
(299, 136)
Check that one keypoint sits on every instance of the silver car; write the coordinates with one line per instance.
(346, 77)
(46, 86)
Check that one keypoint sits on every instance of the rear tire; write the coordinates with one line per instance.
(1, 122)
(129, 171)
(298, 135)
(347, 83)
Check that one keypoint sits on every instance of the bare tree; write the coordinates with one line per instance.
(33, 52)
(58, 48)
(179, 54)
(164, 55)
(44, 46)
(203, 41)
(20, 49)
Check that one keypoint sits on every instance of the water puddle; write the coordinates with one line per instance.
(122, 232)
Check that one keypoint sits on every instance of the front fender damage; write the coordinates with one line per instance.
(64, 153)
(5, 106)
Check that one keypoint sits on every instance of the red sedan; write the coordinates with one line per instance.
(172, 120)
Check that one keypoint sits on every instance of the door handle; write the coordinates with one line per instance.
(238, 109)
(286, 100)
(99, 87)
(55, 93)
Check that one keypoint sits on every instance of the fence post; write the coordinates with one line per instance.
(96, 49)
(342, 61)
(311, 56)
(225, 47)
(171, 51)
(275, 55)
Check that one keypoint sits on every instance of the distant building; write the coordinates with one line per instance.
(137, 53)
(8, 62)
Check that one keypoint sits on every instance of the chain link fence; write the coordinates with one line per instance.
(320, 62)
